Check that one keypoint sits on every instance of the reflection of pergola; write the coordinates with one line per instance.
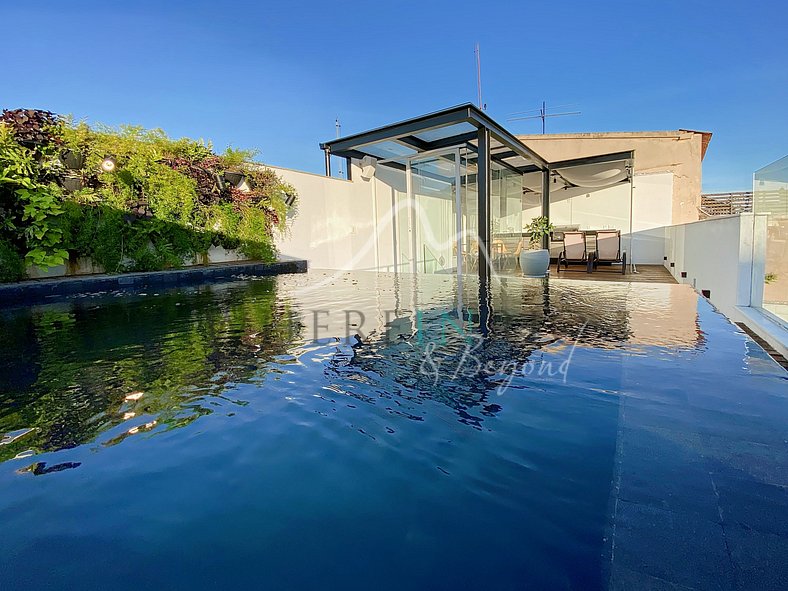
(468, 127)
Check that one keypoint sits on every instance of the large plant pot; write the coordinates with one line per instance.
(534, 263)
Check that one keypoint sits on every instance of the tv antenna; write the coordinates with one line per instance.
(338, 127)
(478, 55)
(541, 113)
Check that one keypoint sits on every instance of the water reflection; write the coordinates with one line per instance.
(72, 371)
(461, 342)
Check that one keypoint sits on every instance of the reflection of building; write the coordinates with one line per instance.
(421, 339)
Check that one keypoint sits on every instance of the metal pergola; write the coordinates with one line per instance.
(464, 126)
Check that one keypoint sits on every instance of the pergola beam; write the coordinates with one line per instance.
(602, 158)
(404, 128)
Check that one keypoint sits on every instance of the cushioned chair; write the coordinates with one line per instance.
(608, 249)
(574, 252)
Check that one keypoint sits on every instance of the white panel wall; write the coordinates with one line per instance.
(717, 255)
(333, 223)
(652, 210)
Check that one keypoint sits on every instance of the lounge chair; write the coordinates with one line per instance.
(574, 252)
(608, 249)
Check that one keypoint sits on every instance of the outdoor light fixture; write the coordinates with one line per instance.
(368, 166)
(108, 164)
(289, 199)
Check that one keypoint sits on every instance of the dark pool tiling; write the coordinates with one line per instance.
(41, 290)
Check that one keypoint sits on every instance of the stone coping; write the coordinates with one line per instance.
(42, 290)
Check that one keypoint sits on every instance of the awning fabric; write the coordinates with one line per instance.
(595, 176)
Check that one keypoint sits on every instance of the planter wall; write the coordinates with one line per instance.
(86, 266)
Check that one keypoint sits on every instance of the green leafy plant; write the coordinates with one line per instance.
(539, 228)
(164, 202)
(770, 278)
(44, 239)
(12, 267)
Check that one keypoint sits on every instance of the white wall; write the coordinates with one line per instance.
(334, 225)
(598, 209)
(716, 254)
(726, 255)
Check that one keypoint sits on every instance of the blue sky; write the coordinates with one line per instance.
(274, 76)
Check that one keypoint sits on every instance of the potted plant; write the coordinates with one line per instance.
(73, 160)
(535, 261)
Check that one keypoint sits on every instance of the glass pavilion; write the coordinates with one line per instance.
(467, 185)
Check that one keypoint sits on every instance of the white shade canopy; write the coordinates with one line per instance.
(594, 176)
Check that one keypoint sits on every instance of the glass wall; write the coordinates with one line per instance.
(506, 217)
(770, 199)
(434, 186)
(431, 227)
(470, 212)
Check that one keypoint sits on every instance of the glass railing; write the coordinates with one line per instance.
(770, 205)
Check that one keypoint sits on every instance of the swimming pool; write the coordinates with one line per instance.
(370, 431)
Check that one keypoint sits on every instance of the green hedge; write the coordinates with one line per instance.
(131, 199)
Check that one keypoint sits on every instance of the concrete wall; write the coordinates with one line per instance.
(342, 224)
(85, 266)
(679, 152)
(718, 254)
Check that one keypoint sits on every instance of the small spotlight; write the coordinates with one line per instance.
(289, 199)
(108, 164)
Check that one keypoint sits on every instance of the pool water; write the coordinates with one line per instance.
(335, 431)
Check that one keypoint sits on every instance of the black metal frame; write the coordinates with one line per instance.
(405, 132)
(602, 158)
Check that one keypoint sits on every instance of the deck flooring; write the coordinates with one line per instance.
(645, 274)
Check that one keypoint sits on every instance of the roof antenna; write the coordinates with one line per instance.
(338, 126)
(542, 114)
(478, 55)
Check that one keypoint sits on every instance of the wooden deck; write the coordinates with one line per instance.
(645, 274)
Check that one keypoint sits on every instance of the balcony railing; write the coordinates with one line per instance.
(714, 204)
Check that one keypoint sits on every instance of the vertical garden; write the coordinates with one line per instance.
(127, 199)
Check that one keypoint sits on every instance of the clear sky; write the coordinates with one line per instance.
(274, 76)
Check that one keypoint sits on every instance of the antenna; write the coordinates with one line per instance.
(338, 126)
(543, 114)
(478, 55)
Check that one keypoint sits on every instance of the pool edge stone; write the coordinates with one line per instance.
(35, 291)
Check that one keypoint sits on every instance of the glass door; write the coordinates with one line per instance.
(435, 215)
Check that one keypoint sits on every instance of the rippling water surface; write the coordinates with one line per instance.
(358, 431)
